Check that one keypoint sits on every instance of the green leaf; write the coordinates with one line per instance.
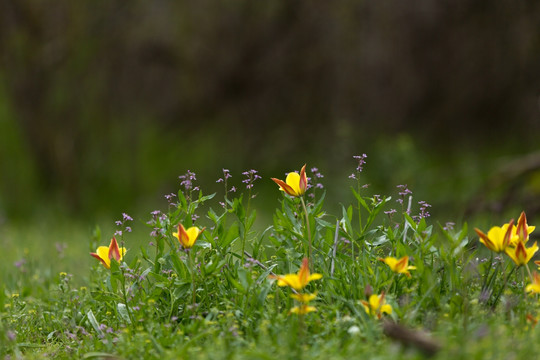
(92, 319)
(122, 310)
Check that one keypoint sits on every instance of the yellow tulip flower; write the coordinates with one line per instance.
(187, 237)
(303, 298)
(105, 254)
(534, 287)
(297, 281)
(399, 266)
(295, 184)
(376, 306)
(498, 238)
(520, 254)
(302, 309)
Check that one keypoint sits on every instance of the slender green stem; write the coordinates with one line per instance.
(124, 292)
(488, 271)
(529, 272)
(192, 268)
(391, 283)
(246, 218)
(503, 287)
(492, 278)
(308, 230)
(359, 206)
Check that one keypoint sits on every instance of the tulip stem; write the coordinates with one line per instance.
(529, 272)
(308, 231)
(503, 287)
(192, 268)
(490, 264)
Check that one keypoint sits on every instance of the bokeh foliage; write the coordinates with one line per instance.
(103, 101)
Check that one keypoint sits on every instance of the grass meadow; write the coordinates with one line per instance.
(207, 277)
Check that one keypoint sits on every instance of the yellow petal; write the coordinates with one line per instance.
(193, 234)
(386, 309)
(302, 309)
(103, 253)
(304, 298)
(374, 302)
(293, 180)
(291, 280)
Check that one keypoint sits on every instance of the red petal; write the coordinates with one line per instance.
(303, 180)
(100, 259)
(522, 226)
(508, 234)
(282, 184)
(114, 251)
(488, 243)
(303, 274)
(521, 253)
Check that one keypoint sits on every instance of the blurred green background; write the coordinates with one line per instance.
(104, 103)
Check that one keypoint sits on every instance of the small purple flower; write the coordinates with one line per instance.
(187, 180)
(449, 226)
(404, 190)
(126, 217)
(19, 264)
(361, 162)
(423, 211)
(316, 176)
(251, 176)
(11, 335)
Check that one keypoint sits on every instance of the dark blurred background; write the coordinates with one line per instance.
(104, 103)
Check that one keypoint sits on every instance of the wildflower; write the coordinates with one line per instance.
(523, 229)
(534, 287)
(251, 176)
(376, 306)
(520, 254)
(187, 237)
(304, 298)
(302, 309)
(105, 254)
(399, 266)
(297, 281)
(353, 330)
(295, 184)
(498, 238)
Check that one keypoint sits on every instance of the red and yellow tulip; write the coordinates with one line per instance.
(376, 306)
(534, 286)
(399, 266)
(105, 254)
(187, 237)
(297, 281)
(295, 184)
(498, 238)
(520, 254)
